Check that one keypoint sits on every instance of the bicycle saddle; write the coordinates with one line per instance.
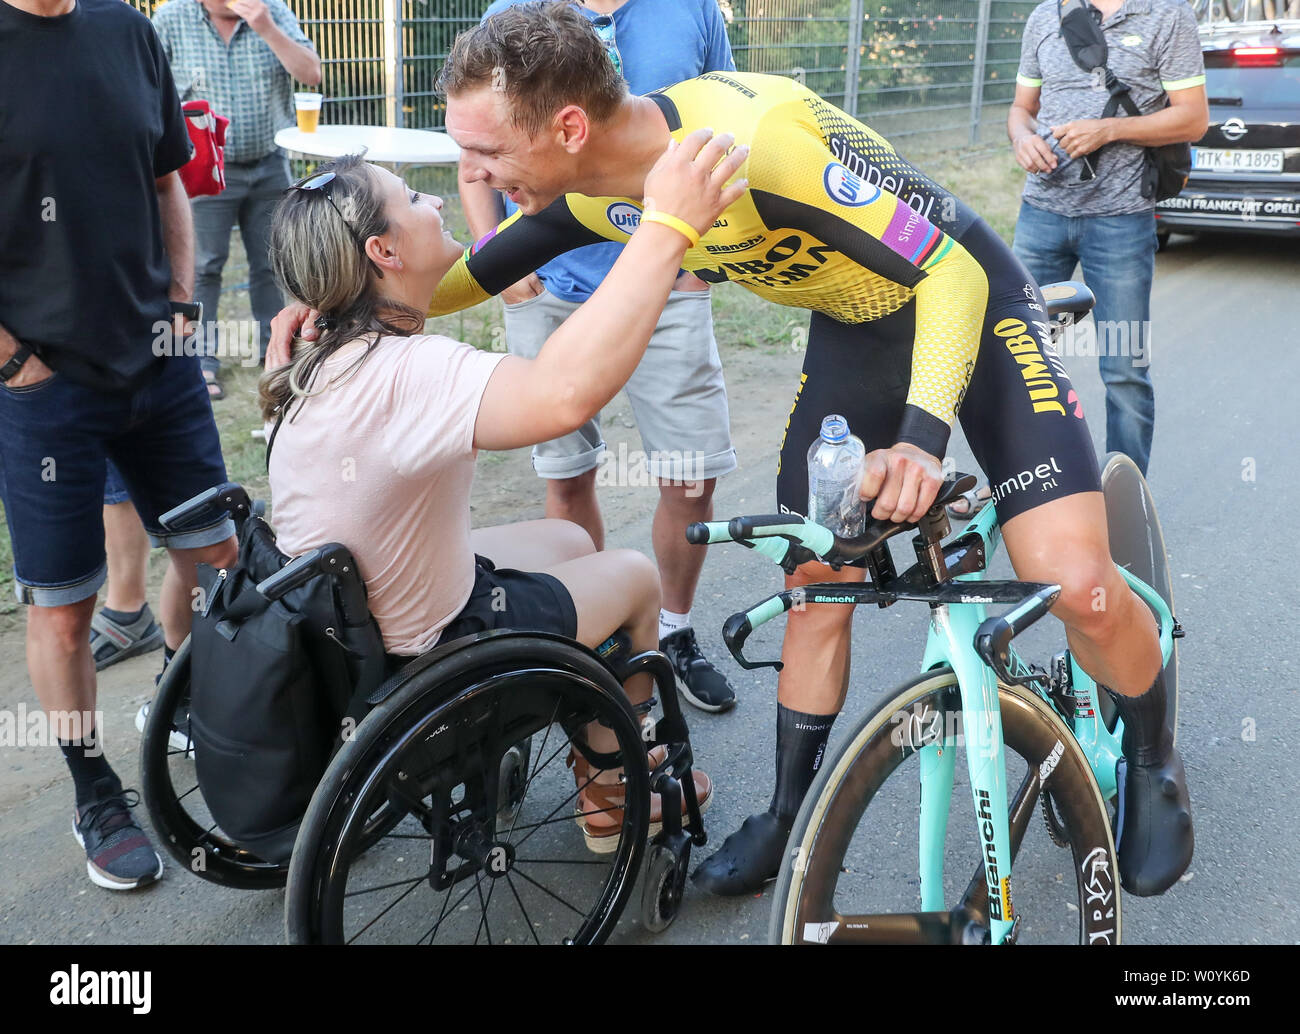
(1068, 296)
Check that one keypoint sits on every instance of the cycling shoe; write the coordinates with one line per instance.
(1154, 837)
(747, 859)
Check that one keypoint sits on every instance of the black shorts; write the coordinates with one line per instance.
(526, 601)
(1020, 414)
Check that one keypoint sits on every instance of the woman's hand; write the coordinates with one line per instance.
(294, 320)
(689, 180)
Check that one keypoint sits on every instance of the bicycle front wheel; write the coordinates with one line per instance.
(850, 872)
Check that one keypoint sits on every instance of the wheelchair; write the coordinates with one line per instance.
(448, 813)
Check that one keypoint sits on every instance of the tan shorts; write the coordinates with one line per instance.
(677, 393)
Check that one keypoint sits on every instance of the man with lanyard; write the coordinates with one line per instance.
(677, 393)
(916, 306)
(242, 57)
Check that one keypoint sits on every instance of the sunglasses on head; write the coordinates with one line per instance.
(317, 182)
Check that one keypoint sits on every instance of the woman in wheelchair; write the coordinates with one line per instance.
(378, 424)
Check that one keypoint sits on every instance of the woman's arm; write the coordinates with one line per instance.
(592, 355)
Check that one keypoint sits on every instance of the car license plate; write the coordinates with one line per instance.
(1215, 159)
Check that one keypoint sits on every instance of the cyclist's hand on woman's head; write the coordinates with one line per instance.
(689, 180)
(903, 481)
(294, 320)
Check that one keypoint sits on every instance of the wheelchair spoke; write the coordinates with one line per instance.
(550, 818)
(520, 901)
(560, 861)
(384, 886)
(482, 920)
(381, 915)
(441, 913)
(545, 890)
(446, 913)
(188, 792)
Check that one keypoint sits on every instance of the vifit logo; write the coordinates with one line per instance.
(847, 189)
(74, 986)
(623, 216)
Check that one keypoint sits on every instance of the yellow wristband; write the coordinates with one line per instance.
(680, 225)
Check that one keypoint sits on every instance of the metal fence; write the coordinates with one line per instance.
(940, 71)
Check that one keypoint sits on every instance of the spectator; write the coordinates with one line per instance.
(242, 59)
(1106, 224)
(90, 257)
(677, 393)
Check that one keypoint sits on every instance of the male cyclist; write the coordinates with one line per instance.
(916, 305)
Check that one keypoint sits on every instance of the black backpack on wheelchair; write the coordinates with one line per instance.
(282, 657)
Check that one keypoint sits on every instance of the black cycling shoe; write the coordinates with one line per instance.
(1153, 833)
(699, 681)
(747, 859)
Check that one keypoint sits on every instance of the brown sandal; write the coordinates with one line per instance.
(599, 809)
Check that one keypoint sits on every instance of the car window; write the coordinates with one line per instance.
(1269, 86)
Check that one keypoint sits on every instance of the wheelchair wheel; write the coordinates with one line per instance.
(472, 860)
(175, 803)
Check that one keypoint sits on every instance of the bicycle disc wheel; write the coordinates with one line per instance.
(1137, 543)
(471, 860)
(850, 872)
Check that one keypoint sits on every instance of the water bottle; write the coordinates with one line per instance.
(834, 476)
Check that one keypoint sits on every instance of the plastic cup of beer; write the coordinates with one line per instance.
(308, 108)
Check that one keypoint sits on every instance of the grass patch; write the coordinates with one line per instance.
(988, 181)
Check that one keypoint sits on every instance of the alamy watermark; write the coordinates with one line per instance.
(41, 728)
(223, 339)
(1105, 338)
(633, 468)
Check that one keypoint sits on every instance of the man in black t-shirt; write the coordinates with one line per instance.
(95, 245)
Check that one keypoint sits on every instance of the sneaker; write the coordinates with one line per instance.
(698, 680)
(111, 642)
(179, 738)
(118, 853)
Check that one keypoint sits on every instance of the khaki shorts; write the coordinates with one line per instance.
(677, 393)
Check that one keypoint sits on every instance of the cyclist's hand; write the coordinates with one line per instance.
(1082, 136)
(529, 287)
(1033, 153)
(295, 320)
(903, 481)
(689, 180)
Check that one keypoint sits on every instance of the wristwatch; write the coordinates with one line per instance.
(190, 310)
(10, 369)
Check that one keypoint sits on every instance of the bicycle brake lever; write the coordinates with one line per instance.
(734, 634)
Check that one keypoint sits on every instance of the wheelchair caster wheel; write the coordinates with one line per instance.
(665, 884)
(512, 780)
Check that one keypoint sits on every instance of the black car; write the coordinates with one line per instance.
(1246, 168)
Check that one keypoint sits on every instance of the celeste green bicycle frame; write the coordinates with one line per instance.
(951, 643)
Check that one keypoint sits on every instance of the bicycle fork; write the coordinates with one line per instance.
(952, 629)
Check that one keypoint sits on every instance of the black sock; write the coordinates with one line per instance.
(800, 744)
(123, 617)
(85, 758)
(168, 654)
(1147, 738)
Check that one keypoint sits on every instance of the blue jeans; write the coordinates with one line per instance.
(251, 194)
(55, 438)
(1117, 254)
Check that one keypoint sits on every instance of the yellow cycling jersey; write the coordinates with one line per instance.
(833, 220)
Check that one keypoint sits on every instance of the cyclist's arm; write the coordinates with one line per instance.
(890, 240)
(508, 252)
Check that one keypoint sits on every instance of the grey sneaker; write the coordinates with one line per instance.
(111, 642)
(119, 855)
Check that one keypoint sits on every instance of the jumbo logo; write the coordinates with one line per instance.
(624, 216)
(1043, 392)
(847, 189)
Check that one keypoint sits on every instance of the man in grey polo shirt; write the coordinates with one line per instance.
(1105, 223)
(242, 59)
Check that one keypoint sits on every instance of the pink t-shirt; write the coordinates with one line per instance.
(382, 461)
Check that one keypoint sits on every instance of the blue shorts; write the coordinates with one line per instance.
(114, 487)
(55, 438)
